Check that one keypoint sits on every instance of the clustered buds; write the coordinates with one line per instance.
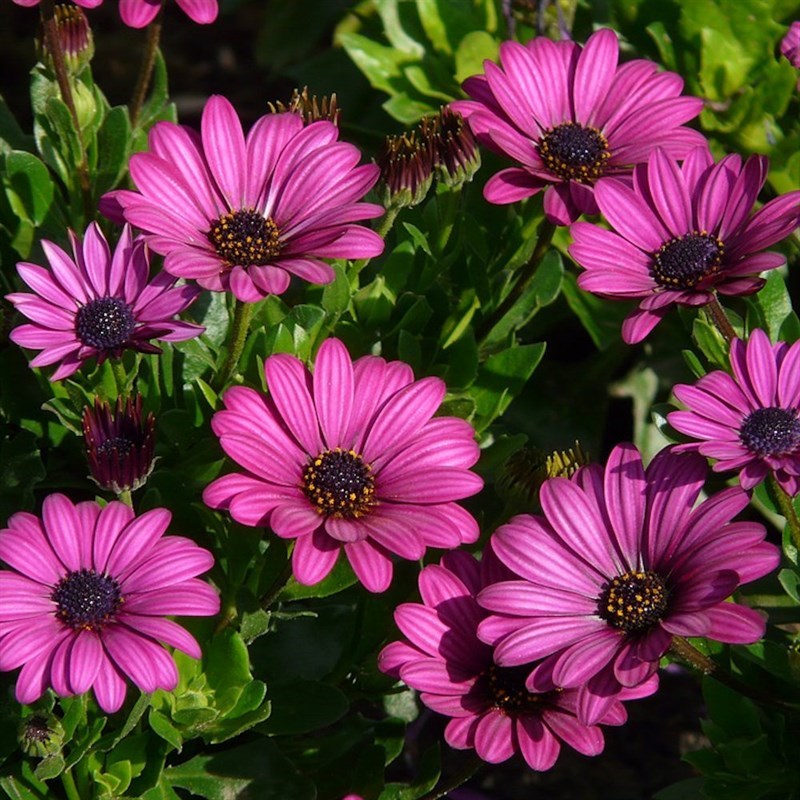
(120, 444)
(310, 108)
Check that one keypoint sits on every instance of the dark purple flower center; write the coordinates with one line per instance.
(36, 729)
(117, 447)
(633, 602)
(339, 484)
(105, 323)
(574, 152)
(771, 431)
(683, 262)
(86, 600)
(504, 687)
(245, 238)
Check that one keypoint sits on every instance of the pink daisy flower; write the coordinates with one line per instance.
(98, 303)
(491, 709)
(619, 564)
(680, 234)
(243, 214)
(748, 421)
(350, 458)
(570, 115)
(139, 13)
(83, 603)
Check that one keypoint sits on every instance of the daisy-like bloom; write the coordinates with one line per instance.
(748, 421)
(120, 444)
(139, 13)
(790, 44)
(83, 602)
(570, 115)
(350, 457)
(682, 233)
(98, 303)
(243, 214)
(620, 563)
(491, 709)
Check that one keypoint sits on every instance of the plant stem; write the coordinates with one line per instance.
(787, 509)
(471, 766)
(721, 320)
(526, 274)
(146, 67)
(120, 375)
(70, 788)
(124, 496)
(47, 11)
(280, 581)
(384, 226)
(241, 325)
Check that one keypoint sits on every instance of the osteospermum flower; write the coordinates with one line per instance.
(349, 458)
(748, 421)
(243, 214)
(491, 709)
(619, 564)
(682, 233)
(139, 13)
(570, 115)
(98, 303)
(84, 601)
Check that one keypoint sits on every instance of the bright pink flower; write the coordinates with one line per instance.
(98, 303)
(748, 421)
(138, 13)
(490, 707)
(349, 457)
(680, 234)
(790, 44)
(619, 564)
(570, 115)
(83, 603)
(243, 214)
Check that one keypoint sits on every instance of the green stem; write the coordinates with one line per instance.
(447, 204)
(124, 496)
(280, 581)
(720, 319)
(241, 325)
(787, 509)
(526, 275)
(146, 67)
(70, 788)
(47, 11)
(383, 228)
(120, 376)
(471, 766)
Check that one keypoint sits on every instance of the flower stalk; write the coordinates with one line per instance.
(242, 316)
(146, 67)
(720, 319)
(787, 509)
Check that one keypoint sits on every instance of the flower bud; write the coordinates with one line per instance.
(310, 108)
(406, 164)
(74, 37)
(456, 157)
(40, 735)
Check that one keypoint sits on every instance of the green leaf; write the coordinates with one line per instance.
(772, 304)
(382, 65)
(50, 767)
(429, 771)
(602, 319)
(21, 468)
(30, 180)
(113, 150)
(336, 294)
(790, 580)
(473, 50)
(12, 137)
(227, 668)
(255, 771)
(302, 707)
(402, 705)
(165, 729)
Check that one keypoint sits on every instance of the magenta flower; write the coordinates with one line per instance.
(790, 44)
(618, 565)
(570, 115)
(748, 422)
(243, 214)
(139, 13)
(491, 709)
(351, 457)
(98, 303)
(680, 234)
(83, 603)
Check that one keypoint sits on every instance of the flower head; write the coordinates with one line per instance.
(311, 108)
(140, 13)
(349, 458)
(748, 421)
(456, 157)
(406, 163)
(790, 44)
(120, 444)
(490, 707)
(682, 233)
(75, 37)
(570, 115)
(84, 599)
(619, 564)
(243, 214)
(98, 303)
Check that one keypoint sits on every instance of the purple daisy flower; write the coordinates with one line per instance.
(491, 709)
(619, 564)
(680, 234)
(243, 214)
(98, 303)
(349, 457)
(139, 13)
(790, 44)
(748, 421)
(83, 603)
(570, 115)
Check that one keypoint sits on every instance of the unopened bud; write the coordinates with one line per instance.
(74, 37)
(311, 108)
(406, 164)
(40, 735)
